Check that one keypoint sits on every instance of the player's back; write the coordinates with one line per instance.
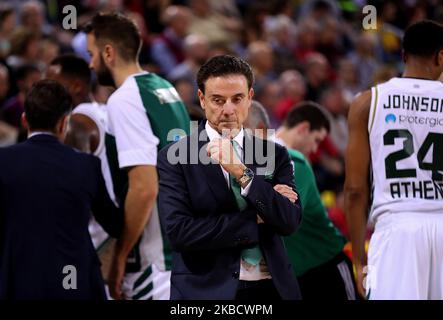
(145, 113)
(97, 113)
(406, 140)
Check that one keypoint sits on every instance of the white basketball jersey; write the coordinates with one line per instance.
(406, 139)
(97, 113)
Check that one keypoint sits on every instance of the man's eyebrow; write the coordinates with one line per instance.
(215, 95)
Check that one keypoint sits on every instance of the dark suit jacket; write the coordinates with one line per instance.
(207, 231)
(47, 192)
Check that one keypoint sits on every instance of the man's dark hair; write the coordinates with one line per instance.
(5, 11)
(25, 70)
(20, 40)
(423, 39)
(307, 111)
(74, 67)
(46, 104)
(118, 29)
(224, 65)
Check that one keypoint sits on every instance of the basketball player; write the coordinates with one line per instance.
(396, 142)
(141, 113)
(87, 124)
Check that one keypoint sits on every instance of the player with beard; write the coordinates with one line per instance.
(142, 111)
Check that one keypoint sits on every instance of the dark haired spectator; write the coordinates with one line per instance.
(13, 108)
(33, 17)
(7, 25)
(317, 73)
(24, 48)
(4, 84)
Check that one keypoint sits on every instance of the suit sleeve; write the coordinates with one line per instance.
(276, 210)
(185, 231)
(107, 214)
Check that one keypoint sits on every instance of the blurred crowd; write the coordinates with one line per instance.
(300, 50)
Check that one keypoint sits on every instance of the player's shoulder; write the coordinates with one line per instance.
(362, 98)
(361, 104)
(125, 94)
(151, 77)
(297, 156)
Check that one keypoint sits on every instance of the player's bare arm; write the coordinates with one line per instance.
(357, 180)
(83, 133)
(142, 194)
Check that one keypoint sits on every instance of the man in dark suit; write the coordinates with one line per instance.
(47, 193)
(225, 219)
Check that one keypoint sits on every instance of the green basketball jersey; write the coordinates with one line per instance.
(145, 114)
(317, 240)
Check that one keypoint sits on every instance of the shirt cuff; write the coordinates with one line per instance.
(245, 191)
(137, 157)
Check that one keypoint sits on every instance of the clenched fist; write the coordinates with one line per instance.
(222, 151)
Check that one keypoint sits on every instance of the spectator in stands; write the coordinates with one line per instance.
(167, 50)
(294, 91)
(24, 48)
(197, 52)
(7, 24)
(14, 107)
(316, 71)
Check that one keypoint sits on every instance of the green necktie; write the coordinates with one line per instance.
(252, 255)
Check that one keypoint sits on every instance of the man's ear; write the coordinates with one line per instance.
(63, 125)
(77, 86)
(108, 54)
(439, 58)
(251, 93)
(201, 98)
(303, 127)
(24, 121)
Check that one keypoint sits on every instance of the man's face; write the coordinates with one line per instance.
(104, 75)
(4, 83)
(311, 139)
(226, 102)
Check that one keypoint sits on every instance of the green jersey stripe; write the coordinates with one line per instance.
(142, 278)
(143, 292)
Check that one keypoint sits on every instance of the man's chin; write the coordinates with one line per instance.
(105, 80)
(229, 129)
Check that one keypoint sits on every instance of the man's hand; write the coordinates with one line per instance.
(360, 279)
(222, 151)
(286, 191)
(115, 277)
